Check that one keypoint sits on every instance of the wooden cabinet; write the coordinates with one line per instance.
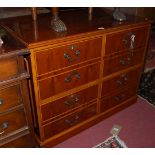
(15, 112)
(84, 75)
(81, 88)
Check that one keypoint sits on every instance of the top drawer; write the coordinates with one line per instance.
(126, 40)
(8, 68)
(64, 56)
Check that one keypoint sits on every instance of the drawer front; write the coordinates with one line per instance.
(69, 121)
(68, 103)
(8, 68)
(122, 80)
(131, 39)
(69, 80)
(11, 122)
(64, 56)
(10, 97)
(121, 62)
(22, 142)
(117, 98)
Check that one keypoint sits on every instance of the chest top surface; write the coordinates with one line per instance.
(77, 22)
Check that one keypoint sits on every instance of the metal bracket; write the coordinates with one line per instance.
(115, 130)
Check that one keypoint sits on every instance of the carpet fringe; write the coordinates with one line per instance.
(107, 141)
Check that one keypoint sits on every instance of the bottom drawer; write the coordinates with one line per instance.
(10, 122)
(22, 142)
(69, 121)
(116, 98)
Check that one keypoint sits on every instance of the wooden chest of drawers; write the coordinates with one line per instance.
(84, 75)
(82, 88)
(15, 113)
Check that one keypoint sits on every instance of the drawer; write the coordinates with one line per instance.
(68, 103)
(118, 63)
(22, 142)
(10, 97)
(69, 121)
(124, 79)
(69, 80)
(8, 68)
(125, 40)
(117, 98)
(64, 56)
(11, 122)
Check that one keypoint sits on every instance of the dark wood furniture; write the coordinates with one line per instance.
(15, 113)
(84, 75)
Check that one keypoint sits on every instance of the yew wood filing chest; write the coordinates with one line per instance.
(84, 75)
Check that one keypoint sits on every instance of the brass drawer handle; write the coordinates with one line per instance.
(4, 126)
(69, 77)
(132, 40)
(120, 97)
(130, 37)
(73, 100)
(73, 120)
(123, 79)
(1, 101)
(77, 52)
(69, 58)
(129, 58)
(120, 82)
(125, 62)
(72, 47)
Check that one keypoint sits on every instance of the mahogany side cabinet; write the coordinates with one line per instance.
(16, 127)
